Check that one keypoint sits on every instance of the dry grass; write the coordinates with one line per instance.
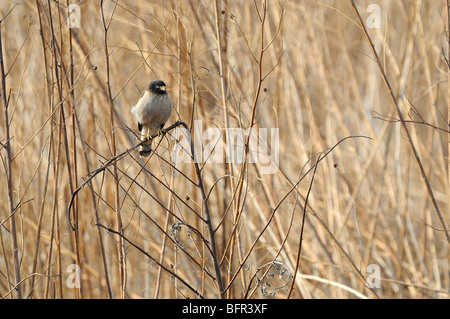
(143, 229)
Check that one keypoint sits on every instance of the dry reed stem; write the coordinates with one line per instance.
(405, 127)
(68, 93)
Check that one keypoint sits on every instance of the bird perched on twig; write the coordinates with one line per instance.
(152, 112)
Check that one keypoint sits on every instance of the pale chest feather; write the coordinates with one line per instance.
(153, 110)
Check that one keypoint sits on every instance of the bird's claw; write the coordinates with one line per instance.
(161, 131)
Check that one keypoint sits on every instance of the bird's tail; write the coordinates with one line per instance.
(146, 148)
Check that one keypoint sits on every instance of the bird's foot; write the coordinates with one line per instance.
(161, 130)
(148, 137)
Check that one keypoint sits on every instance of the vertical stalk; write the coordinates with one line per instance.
(212, 234)
(47, 174)
(70, 84)
(237, 210)
(56, 161)
(447, 2)
(59, 69)
(170, 200)
(9, 176)
(58, 151)
(205, 208)
(229, 165)
(223, 85)
(404, 125)
(121, 246)
(220, 50)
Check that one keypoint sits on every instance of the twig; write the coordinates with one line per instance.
(9, 176)
(153, 259)
(394, 120)
(302, 228)
(165, 233)
(403, 122)
(239, 187)
(447, 3)
(108, 163)
(10, 11)
(212, 247)
(223, 86)
(120, 244)
(274, 210)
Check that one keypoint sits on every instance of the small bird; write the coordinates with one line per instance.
(152, 112)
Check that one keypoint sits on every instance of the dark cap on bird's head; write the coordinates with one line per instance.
(157, 87)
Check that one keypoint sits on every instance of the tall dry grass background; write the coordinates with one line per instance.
(154, 228)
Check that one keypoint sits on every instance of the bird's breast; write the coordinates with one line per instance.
(156, 111)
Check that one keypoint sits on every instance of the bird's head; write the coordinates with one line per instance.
(157, 87)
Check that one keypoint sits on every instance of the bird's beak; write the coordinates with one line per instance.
(163, 88)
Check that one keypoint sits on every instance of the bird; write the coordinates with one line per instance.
(152, 112)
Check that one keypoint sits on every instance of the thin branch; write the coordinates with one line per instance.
(9, 176)
(403, 122)
(302, 228)
(10, 11)
(153, 259)
(108, 163)
(395, 120)
(274, 210)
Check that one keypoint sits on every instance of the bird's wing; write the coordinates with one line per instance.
(137, 109)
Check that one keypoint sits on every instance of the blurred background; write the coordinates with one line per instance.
(312, 82)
